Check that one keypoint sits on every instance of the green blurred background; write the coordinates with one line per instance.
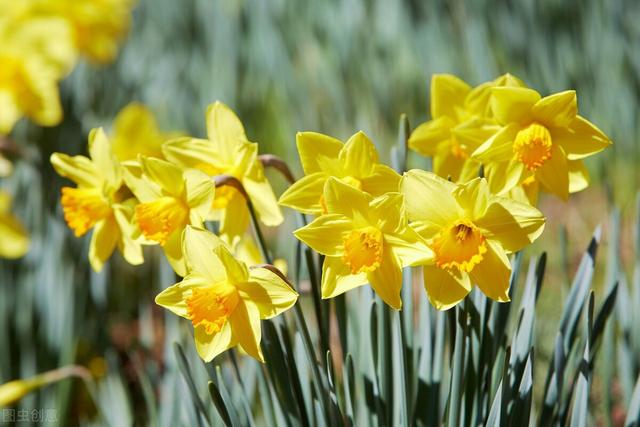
(286, 66)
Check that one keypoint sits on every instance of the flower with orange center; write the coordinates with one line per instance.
(540, 137)
(99, 202)
(227, 151)
(365, 240)
(470, 231)
(355, 163)
(460, 122)
(170, 199)
(224, 300)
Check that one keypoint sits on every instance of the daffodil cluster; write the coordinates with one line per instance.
(41, 42)
(148, 187)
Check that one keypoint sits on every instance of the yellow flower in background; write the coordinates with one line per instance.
(99, 202)
(461, 120)
(229, 152)
(365, 240)
(97, 26)
(14, 239)
(354, 162)
(470, 232)
(135, 131)
(170, 199)
(541, 139)
(223, 299)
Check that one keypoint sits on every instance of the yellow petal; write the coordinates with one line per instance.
(445, 287)
(245, 324)
(78, 169)
(201, 253)
(326, 234)
(337, 278)
(511, 223)
(127, 244)
(135, 131)
(235, 269)
(473, 197)
(580, 139)
(104, 159)
(493, 272)
(447, 95)
(264, 202)
(304, 195)
(174, 297)
(224, 129)
(341, 198)
(557, 110)
(426, 138)
(447, 165)
(14, 239)
(144, 190)
(409, 247)
(429, 198)
(191, 153)
(498, 148)
(511, 104)
(503, 176)
(316, 150)
(211, 345)
(234, 220)
(103, 241)
(554, 173)
(167, 175)
(268, 292)
(173, 251)
(358, 156)
(388, 212)
(578, 176)
(200, 191)
(382, 180)
(386, 280)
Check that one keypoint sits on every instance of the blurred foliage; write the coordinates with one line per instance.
(335, 67)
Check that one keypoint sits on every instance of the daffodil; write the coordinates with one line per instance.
(541, 139)
(135, 131)
(461, 120)
(223, 299)
(354, 162)
(229, 152)
(14, 240)
(365, 240)
(470, 232)
(100, 201)
(170, 199)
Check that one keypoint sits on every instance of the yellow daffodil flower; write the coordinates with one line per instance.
(14, 240)
(470, 232)
(170, 199)
(135, 131)
(354, 162)
(229, 152)
(223, 299)
(461, 121)
(99, 202)
(541, 139)
(365, 240)
(35, 54)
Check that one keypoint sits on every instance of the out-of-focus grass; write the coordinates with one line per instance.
(330, 66)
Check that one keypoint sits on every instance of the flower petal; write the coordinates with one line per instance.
(78, 169)
(304, 194)
(234, 220)
(511, 104)
(325, 234)
(580, 139)
(200, 191)
(224, 129)
(493, 272)
(383, 180)
(578, 176)
(511, 223)
(104, 159)
(358, 156)
(426, 138)
(245, 324)
(503, 176)
(473, 197)
(173, 251)
(211, 345)
(554, 173)
(167, 175)
(235, 269)
(498, 148)
(445, 288)
(201, 252)
(129, 247)
(557, 110)
(409, 247)
(447, 95)
(144, 190)
(174, 297)
(337, 278)
(386, 280)
(429, 198)
(268, 292)
(316, 151)
(264, 201)
(190, 152)
(341, 198)
(103, 242)
(14, 240)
